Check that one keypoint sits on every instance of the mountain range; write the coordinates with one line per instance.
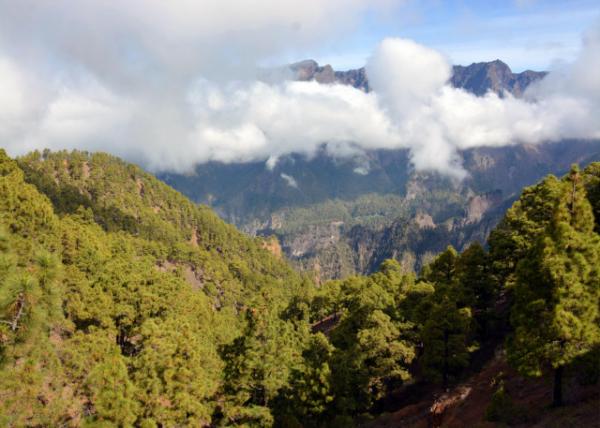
(477, 78)
(340, 216)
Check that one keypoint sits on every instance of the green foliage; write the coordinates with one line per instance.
(258, 364)
(445, 338)
(124, 304)
(310, 392)
(557, 289)
(371, 209)
(116, 293)
(177, 372)
(461, 286)
(501, 407)
(371, 344)
(441, 271)
(591, 180)
(478, 287)
(112, 393)
(514, 237)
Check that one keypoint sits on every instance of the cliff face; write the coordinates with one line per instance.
(337, 222)
(357, 78)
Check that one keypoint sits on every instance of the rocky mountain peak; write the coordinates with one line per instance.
(310, 69)
(496, 76)
(477, 78)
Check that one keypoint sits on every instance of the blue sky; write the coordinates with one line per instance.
(526, 34)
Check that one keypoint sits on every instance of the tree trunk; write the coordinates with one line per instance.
(558, 377)
(446, 356)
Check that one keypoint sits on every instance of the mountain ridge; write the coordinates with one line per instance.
(477, 78)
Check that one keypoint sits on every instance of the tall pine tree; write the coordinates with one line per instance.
(557, 289)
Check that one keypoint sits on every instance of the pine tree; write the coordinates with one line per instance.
(515, 235)
(310, 393)
(442, 270)
(445, 337)
(476, 286)
(385, 351)
(257, 366)
(111, 315)
(112, 393)
(591, 177)
(555, 314)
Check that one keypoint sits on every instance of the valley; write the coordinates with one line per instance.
(339, 216)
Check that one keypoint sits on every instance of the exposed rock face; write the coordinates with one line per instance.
(272, 245)
(314, 239)
(479, 205)
(495, 76)
(426, 212)
(356, 78)
(424, 221)
(310, 70)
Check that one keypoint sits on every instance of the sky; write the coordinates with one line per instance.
(170, 85)
(526, 34)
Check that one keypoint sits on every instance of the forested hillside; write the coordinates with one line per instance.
(117, 296)
(124, 304)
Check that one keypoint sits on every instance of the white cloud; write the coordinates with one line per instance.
(290, 181)
(436, 120)
(361, 170)
(139, 44)
(172, 84)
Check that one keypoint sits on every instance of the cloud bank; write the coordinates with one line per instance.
(173, 84)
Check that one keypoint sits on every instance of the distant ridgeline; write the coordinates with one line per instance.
(337, 217)
(477, 78)
(124, 304)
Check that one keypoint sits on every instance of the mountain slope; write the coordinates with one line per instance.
(117, 296)
(346, 216)
(124, 198)
(124, 304)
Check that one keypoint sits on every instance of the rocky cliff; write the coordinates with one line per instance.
(495, 76)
